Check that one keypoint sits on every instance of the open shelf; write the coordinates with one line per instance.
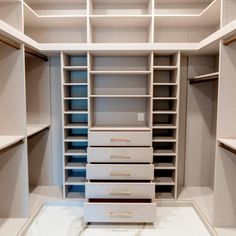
(75, 191)
(228, 144)
(205, 77)
(33, 129)
(120, 72)
(165, 192)
(121, 7)
(7, 141)
(55, 28)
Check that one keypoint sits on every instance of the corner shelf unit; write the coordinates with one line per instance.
(165, 123)
(74, 83)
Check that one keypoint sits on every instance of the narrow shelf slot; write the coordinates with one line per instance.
(164, 177)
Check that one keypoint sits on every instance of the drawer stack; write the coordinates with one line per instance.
(120, 174)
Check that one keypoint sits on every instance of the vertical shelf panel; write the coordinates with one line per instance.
(75, 123)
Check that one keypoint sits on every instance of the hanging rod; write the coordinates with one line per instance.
(204, 78)
(36, 54)
(10, 43)
(11, 146)
(230, 40)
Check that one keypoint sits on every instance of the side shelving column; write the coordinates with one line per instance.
(13, 148)
(75, 123)
(165, 124)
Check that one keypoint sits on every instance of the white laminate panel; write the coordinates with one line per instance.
(119, 154)
(120, 171)
(120, 138)
(120, 212)
(120, 190)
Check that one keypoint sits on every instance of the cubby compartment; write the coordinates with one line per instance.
(75, 77)
(76, 105)
(75, 162)
(165, 162)
(58, 8)
(169, 60)
(75, 176)
(165, 76)
(164, 134)
(130, 7)
(120, 85)
(75, 148)
(164, 120)
(11, 13)
(76, 119)
(72, 61)
(165, 91)
(75, 91)
(164, 105)
(165, 192)
(76, 134)
(121, 63)
(126, 29)
(55, 28)
(75, 191)
(120, 113)
(166, 148)
(164, 177)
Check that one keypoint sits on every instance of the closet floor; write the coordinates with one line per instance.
(203, 197)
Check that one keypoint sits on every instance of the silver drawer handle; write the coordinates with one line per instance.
(120, 156)
(125, 192)
(120, 214)
(120, 140)
(116, 173)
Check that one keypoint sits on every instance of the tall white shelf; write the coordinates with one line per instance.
(74, 71)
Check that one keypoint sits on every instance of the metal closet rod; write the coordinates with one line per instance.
(230, 40)
(27, 50)
(36, 54)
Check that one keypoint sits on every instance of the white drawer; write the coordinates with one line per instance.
(120, 171)
(120, 190)
(120, 139)
(120, 212)
(120, 154)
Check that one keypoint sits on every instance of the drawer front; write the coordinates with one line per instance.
(120, 171)
(120, 190)
(120, 212)
(142, 155)
(120, 139)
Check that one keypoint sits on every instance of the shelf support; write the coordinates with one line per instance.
(36, 54)
(230, 40)
(227, 148)
(10, 43)
(11, 146)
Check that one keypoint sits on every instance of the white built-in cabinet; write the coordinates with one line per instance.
(123, 120)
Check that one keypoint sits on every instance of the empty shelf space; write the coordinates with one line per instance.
(228, 144)
(7, 141)
(164, 126)
(75, 195)
(206, 77)
(76, 139)
(164, 195)
(75, 125)
(164, 152)
(75, 152)
(164, 139)
(75, 166)
(164, 166)
(164, 181)
(76, 68)
(164, 112)
(120, 96)
(116, 127)
(75, 84)
(165, 67)
(120, 72)
(33, 129)
(164, 98)
(76, 112)
(75, 98)
(75, 191)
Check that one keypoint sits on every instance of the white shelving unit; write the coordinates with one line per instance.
(74, 70)
(165, 114)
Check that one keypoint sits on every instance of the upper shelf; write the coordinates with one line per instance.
(209, 16)
(228, 144)
(32, 19)
(6, 141)
(33, 129)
